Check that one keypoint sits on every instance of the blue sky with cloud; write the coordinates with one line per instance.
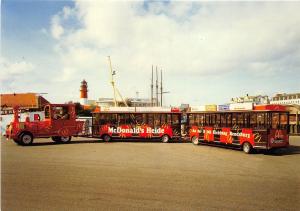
(209, 52)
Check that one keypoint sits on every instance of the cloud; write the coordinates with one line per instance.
(56, 28)
(11, 69)
(205, 41)
(184, 38)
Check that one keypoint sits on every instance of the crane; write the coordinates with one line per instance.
(115, 89)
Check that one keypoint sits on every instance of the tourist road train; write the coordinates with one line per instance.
(249, 128)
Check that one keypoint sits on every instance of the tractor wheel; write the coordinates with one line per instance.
(26, 139)
(55, 138)
(65, 139)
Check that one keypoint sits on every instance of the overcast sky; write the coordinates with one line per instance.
(209, 52)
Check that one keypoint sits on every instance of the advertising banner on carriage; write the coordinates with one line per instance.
(143, 131)
(226, 135)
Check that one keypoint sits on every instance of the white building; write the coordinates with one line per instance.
(286, 99)
(140, 102)
(258, 99)
(105, 102)
(132, 102)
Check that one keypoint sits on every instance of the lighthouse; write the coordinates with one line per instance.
(83, 93)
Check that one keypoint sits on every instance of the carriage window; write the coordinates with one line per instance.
(283, 121)
(145, 120)
(202, 118)
(218, 120)
(169, 120)
(246, 120)
(228, 120)
(207, 119)
(253, 120)
(102, 119)
(261, 120)
(163, 119)
(175, 118)
(191, 119)
(223, 120)
(275, 120)
(212, 119)
(139, 119)
(131, 119)
(156, 120)
(122, 119)
(150, 120)
(108, 119)
(197, 119)
(240, 120)
(114, 119)
(234, 120)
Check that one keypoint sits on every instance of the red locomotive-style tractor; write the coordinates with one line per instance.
(60, 124)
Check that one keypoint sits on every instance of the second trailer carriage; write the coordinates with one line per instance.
(264, 127)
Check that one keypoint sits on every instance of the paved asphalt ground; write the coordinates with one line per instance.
(89, 175)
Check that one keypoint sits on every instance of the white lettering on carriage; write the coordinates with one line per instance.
(134, 130)
(224, 133)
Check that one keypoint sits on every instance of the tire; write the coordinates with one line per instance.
(66, 139)
(55, 138)
(247, 148)
(195, 140)
(61, 139)
(165, 138)
(26, 139)
(106, 138)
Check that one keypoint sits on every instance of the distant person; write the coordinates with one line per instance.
(57, 115)
(61, 114)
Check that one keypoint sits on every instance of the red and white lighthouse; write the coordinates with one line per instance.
(83, 93)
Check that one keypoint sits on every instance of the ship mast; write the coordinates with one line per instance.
(157, 104)
(152, 87)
